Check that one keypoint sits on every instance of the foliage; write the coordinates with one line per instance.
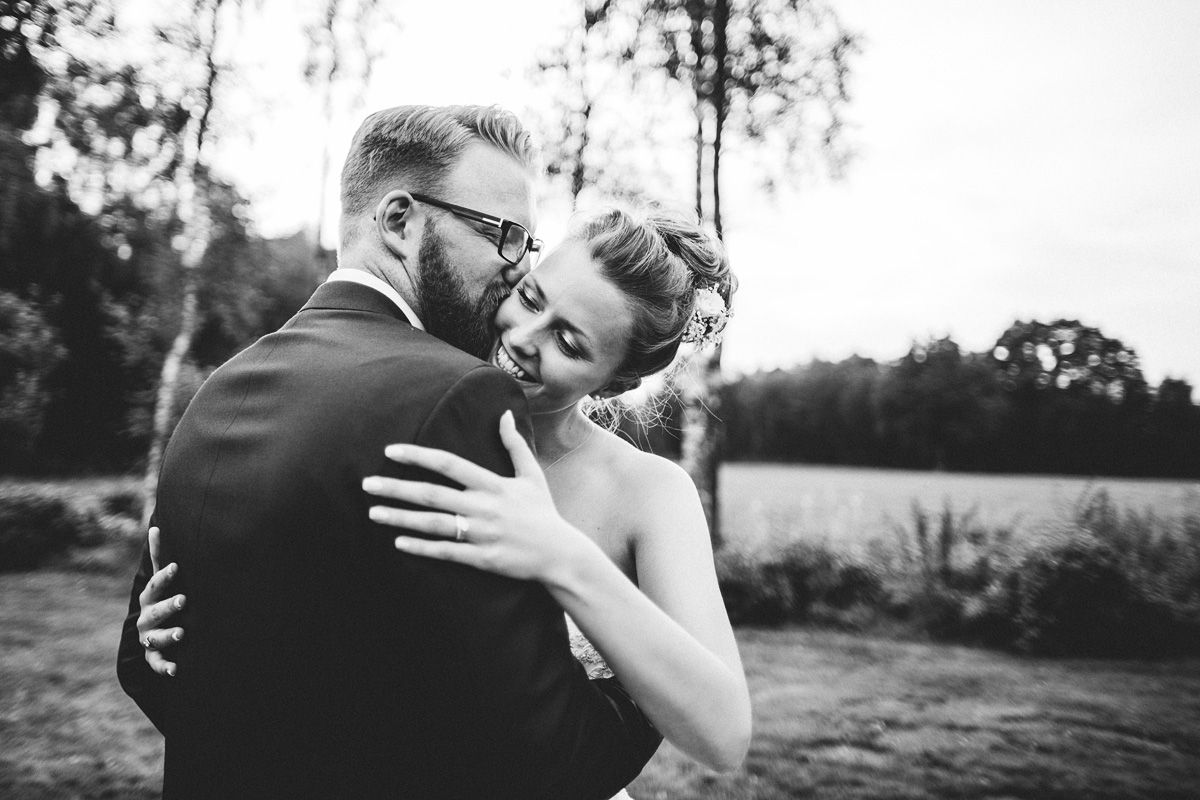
(804, 582)
(1107, 582)
(34, 526)
(593, 139)
(88, 234)
(29, 353)
(1074, 598)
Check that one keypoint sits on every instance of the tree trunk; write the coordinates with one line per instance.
(168, 382)
(579, 168)
(331, 70)
(695, 382)
(193, 214)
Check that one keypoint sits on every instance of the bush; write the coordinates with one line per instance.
(802, 582)
(123, 502)
(1111, 582)
(29, 353)
(34, 526)
(943, 573)
(1074, 598)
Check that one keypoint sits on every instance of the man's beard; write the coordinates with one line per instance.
(449, 313)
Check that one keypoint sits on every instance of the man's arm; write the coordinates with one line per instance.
(148, 689)
(564, 736)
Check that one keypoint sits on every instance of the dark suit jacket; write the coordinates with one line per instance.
(319, 661)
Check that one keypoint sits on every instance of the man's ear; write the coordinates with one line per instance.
(399, 222)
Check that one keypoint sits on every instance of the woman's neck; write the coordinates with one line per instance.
(557, 433)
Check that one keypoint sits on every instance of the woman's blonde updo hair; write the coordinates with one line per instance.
(659, 259)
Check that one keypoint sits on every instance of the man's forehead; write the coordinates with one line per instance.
(491, 181)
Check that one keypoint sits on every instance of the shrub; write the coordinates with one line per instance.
(1073, 598)
(943, 571)
(34, 526)
(30, 351)
(123, 502)
(802, 582)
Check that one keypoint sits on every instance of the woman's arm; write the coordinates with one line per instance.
(668, 639)
(671, 646)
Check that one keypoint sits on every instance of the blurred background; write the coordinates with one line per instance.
(951, 432)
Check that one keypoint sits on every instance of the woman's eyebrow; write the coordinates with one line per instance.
(566, 323)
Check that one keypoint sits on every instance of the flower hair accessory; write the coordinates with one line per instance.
(710, 315)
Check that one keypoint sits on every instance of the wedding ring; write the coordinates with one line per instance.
(461, 526)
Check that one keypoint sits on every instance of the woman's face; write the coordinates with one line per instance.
(563, 331)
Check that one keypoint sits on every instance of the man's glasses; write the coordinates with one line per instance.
(515, 240)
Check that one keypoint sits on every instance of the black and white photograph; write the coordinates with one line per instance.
(600, 399)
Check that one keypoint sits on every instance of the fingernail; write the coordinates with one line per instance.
(401, 543)
(177, 636)
(370, 484)
(171, 672)
(507, 415)
(178, 603)
(376, 513)
(396, 452)
(172, 568)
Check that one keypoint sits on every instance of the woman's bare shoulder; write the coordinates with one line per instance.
(647, 483)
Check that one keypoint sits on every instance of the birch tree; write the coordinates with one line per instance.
(771, 76)
(193, 239)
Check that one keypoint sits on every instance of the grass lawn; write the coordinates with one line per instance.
(837, 715)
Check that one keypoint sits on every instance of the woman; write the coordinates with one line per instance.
(616, 535)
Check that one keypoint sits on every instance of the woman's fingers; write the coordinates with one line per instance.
(434, 523)
(156, 613)
(156, 587)
(430, 495)
(155, 553)
(445, 551)
(456, 468)
(524, 461)
(160, 664)
(161, 638)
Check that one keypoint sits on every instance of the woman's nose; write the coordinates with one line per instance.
(523, 339)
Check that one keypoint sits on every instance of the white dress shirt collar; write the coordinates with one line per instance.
(367, 279)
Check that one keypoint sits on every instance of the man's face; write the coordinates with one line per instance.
(462, 277)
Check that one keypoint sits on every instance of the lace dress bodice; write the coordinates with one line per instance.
(585, 653)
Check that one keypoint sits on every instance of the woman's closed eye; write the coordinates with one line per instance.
(526, 297)
(568, 348)
(563, 339)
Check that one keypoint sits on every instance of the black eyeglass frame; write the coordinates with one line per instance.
(531, 245)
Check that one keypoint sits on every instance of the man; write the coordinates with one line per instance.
(319, 662)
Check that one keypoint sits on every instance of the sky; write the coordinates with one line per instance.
(1014, 160)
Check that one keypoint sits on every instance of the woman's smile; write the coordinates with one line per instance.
(505, 361)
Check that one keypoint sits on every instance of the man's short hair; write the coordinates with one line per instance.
(420, 144)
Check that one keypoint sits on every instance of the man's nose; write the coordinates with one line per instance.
(514, 272)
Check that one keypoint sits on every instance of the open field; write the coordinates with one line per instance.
(768, 504)
(836, 715)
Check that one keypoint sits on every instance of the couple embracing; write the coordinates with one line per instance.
(370, 523)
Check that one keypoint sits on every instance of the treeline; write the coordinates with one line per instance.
(91, 280)
(1053, 398)
(89, 303)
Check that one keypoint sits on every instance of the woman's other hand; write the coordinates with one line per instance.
(157, 609)
(508, 526)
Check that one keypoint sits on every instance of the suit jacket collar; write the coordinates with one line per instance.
(348, 296)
